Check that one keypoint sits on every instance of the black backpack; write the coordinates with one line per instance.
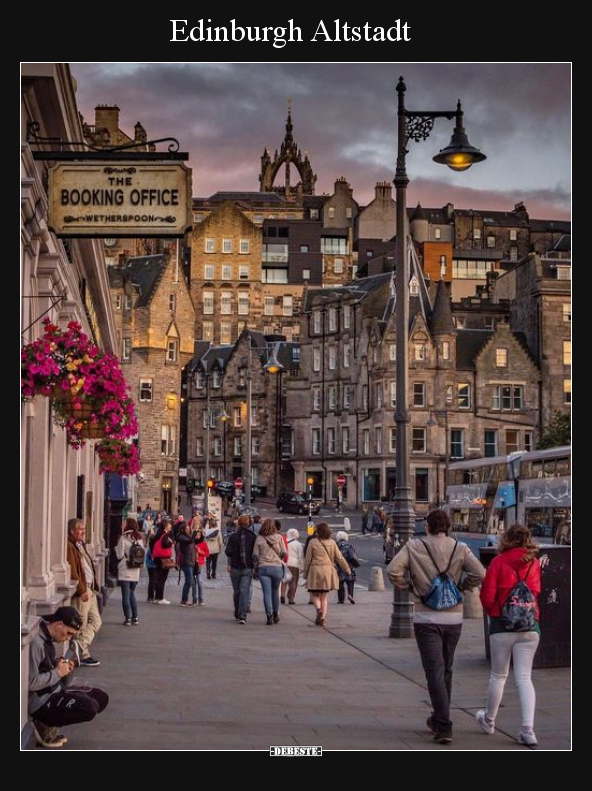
(135, 556)
(519, 609)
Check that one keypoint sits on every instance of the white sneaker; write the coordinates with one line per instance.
(486, 725)
(529, 739)
(163, 601)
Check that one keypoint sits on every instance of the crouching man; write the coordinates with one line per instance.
(52, 703)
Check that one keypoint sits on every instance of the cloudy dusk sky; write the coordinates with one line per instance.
(344, 114)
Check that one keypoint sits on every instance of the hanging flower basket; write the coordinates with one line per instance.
(118, 456)
(88, 389)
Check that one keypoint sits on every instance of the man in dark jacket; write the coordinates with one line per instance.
(51, 703)
(239, 550)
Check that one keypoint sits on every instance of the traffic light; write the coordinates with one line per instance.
(211, 484)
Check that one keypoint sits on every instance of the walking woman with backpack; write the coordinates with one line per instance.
(130, 553)
(510, 597)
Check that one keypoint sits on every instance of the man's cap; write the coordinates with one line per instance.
(69, 616)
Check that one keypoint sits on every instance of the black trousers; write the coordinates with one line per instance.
(341, 590)
(72, 706)
(211, 564)
(152, 574)
(437, 644)
(161, 578)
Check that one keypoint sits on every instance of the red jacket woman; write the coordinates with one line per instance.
(516, 560)
(502, 575)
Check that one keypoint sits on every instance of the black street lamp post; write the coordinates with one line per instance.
(458, 155)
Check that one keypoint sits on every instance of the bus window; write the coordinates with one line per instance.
(537, 469)
(549, 468)
(563, 467)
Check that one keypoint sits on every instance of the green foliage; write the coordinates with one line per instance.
(558, 432)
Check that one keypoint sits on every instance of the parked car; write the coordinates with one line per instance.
(297, 503)
(225, 488)
(388, 538)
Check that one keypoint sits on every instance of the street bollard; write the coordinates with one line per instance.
(472, 604)
(376, 582)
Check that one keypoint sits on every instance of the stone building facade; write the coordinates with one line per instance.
(538, 290)
(64, 280)
(217, 411)
(472, 392)
(155, 321)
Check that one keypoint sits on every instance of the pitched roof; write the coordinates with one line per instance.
(441, 318)
(551, 225)
(145, 273)
(468, 345)
(500, 218)
(418, 213)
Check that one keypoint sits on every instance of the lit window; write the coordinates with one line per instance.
(420, 351)
(567, 391)
(127, 349)
(118, 302)
(225, 332)
(331, 213)
(513, 234)
(501, 358)
(567, 311)
(207, 331)
(567, 352)
(446, 350)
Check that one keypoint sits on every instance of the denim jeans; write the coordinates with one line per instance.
(437, 644)
(198, 579)
(242, 581)
(270, 578)
(128, 599)
(190, 584)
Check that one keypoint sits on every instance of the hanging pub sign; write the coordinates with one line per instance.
(100, 199)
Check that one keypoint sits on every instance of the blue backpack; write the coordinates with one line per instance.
(443, 592)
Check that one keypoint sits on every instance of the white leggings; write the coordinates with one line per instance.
(521, 647)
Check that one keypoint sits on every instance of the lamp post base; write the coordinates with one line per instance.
(402, 616)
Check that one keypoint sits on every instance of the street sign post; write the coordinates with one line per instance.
(341, 481)
(238, 483)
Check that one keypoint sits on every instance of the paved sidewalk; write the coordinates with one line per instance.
(192, 678)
